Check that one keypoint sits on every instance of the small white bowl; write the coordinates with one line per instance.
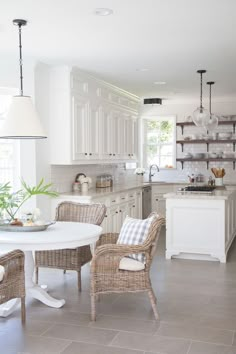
(225, 135)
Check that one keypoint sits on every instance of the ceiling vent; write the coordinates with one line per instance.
(157, 101)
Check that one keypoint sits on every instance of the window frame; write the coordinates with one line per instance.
(159, 118)
(9, 92)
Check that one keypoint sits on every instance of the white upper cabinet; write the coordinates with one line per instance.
(90, 120)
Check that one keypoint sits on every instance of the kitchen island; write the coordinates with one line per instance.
(200, 226)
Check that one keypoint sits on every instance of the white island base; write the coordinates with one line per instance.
(200, 226)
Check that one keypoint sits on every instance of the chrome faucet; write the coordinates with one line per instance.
(150, 172)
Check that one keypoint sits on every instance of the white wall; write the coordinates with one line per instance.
(42, 103)
(9, 74)
(182, 110)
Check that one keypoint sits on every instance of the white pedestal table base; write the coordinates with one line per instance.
(32, 290)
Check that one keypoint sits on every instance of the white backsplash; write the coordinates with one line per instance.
(62, 177)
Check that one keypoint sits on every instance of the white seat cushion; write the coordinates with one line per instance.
(135, 232)
(2, 272)
(127, 263)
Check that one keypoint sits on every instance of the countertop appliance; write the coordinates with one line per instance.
(146, 201)
(197, 189)
(104, 181)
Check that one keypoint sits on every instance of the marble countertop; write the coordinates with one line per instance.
(216, 195)
(119, 188)
(103, 192)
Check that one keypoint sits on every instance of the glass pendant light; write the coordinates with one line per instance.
(201, 116)
(22, 120)
(213, 121)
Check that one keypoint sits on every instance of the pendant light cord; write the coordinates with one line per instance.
(201, 92)
(210, 100)
(21, 62)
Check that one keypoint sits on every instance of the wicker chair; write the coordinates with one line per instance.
(13, 284)
(106, 277)
(72, 259)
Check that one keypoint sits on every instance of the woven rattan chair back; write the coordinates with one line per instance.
(78, 212)
(71, 259)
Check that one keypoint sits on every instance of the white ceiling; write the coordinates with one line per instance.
(172, 38)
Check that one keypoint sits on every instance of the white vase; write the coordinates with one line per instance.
(84, 187)
(139, 178)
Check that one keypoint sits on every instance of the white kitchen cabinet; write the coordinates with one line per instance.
(119, 205)
(130, 137)
(94, 120)
(85, 118)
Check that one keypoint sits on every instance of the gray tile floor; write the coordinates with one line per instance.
(196, 303)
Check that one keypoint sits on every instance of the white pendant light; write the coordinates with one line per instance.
(22, 121)
(213, 121)
(201, 116)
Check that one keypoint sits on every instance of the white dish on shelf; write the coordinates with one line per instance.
(223, 136)
(198, 155)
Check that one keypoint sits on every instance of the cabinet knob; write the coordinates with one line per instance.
(105, 216)
(114, 154)
(156, 200)
(120, 211)
(85, 153)
(110, 154)
(90, 154)
(133, 206)
(117, 212)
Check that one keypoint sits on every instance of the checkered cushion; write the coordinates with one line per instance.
(2, 272)
(135, 232)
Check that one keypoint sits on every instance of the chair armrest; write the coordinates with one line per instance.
(107, 257)
(108, 238)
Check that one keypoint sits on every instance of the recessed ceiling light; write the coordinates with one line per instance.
(103, 11)
(142, 69)
(159, 82)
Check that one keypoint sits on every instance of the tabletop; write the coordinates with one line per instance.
(57, 236)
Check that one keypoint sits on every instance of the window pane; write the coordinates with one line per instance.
(166, 161)
(166, 150)
(166, 133)
(152, 138)
(9, 165)
(159, 142)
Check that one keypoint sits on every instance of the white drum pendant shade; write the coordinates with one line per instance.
(22, 121)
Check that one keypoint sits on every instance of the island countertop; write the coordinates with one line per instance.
(215, 195)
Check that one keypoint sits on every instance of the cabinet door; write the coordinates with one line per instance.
(93, 131)
(80, 128)
(159, 204)
(106, 134)
(113, 220)
(131, 137)
(132, 212)
(115, 134)
(138, 204)
(123, 212)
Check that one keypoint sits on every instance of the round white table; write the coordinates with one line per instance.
(58, 236)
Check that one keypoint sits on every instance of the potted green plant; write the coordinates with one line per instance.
(11, 202)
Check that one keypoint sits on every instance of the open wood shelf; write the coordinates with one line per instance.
(207, 160)
(221, 122)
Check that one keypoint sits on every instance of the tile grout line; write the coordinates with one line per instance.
(116, 335)
(41, 334)
(190, 345)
